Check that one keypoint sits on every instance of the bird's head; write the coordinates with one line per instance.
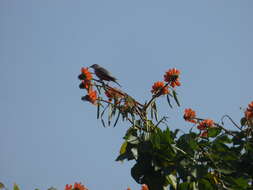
(95, 66)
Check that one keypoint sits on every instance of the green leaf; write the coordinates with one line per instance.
(172, 179)
(238, 183)
(224, 171)
(104, 110)
(123, 148)
(137, 172)
(193, 186)
(241, 183)
(213, 131)
(98, 89)
(152, 113)
(205, 184)
(243, 121)
(128, 154)
(2, 185)
(168, 100)
(98, 110)
(103, 122)
(132, 131)
(184, 186)
(155, 110)
(132, 139)
(117, 119)
(121, 157)
(135, 153)
(175, 97)
(110, 114)
(15, 187)
(51, 188)
(174, 134)
(223, 139)
(188, 143)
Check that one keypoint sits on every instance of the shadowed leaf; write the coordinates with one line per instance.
(214, 131)
(243, 121)
(2, 185)
(15, 187)
(175, 97)
(168, 100)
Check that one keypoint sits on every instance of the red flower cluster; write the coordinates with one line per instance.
(143, 187)
(249, 112)
(190, 115)
(172, 77)
(160, 87)
(91, 97)
(205, 124)
(86, 78)
(77, 186)
(85, 84)
(86, 73)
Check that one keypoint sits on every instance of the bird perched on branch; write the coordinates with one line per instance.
(103, 74)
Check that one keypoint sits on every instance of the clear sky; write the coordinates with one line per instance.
(49, 137)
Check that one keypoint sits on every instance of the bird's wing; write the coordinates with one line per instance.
(106, 72)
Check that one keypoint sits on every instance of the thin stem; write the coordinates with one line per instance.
(227, 116)
(161, 120)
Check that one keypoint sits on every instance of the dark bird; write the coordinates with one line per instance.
(103, 74)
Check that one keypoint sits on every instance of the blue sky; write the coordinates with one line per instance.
(49, 137)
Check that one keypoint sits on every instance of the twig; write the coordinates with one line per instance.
(227, 116)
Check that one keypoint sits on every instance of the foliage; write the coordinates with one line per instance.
(207, 157)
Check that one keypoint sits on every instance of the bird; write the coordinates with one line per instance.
(103, 74)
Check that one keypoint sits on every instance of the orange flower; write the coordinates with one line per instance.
(172, 77)
(144, 187)
(68, 187)
(160, 87)
(128, 188)
(189, 115)
(249, 112)
(91, 97)
(85, 84)
(79, 186)
(86, 75)
(203, 125)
